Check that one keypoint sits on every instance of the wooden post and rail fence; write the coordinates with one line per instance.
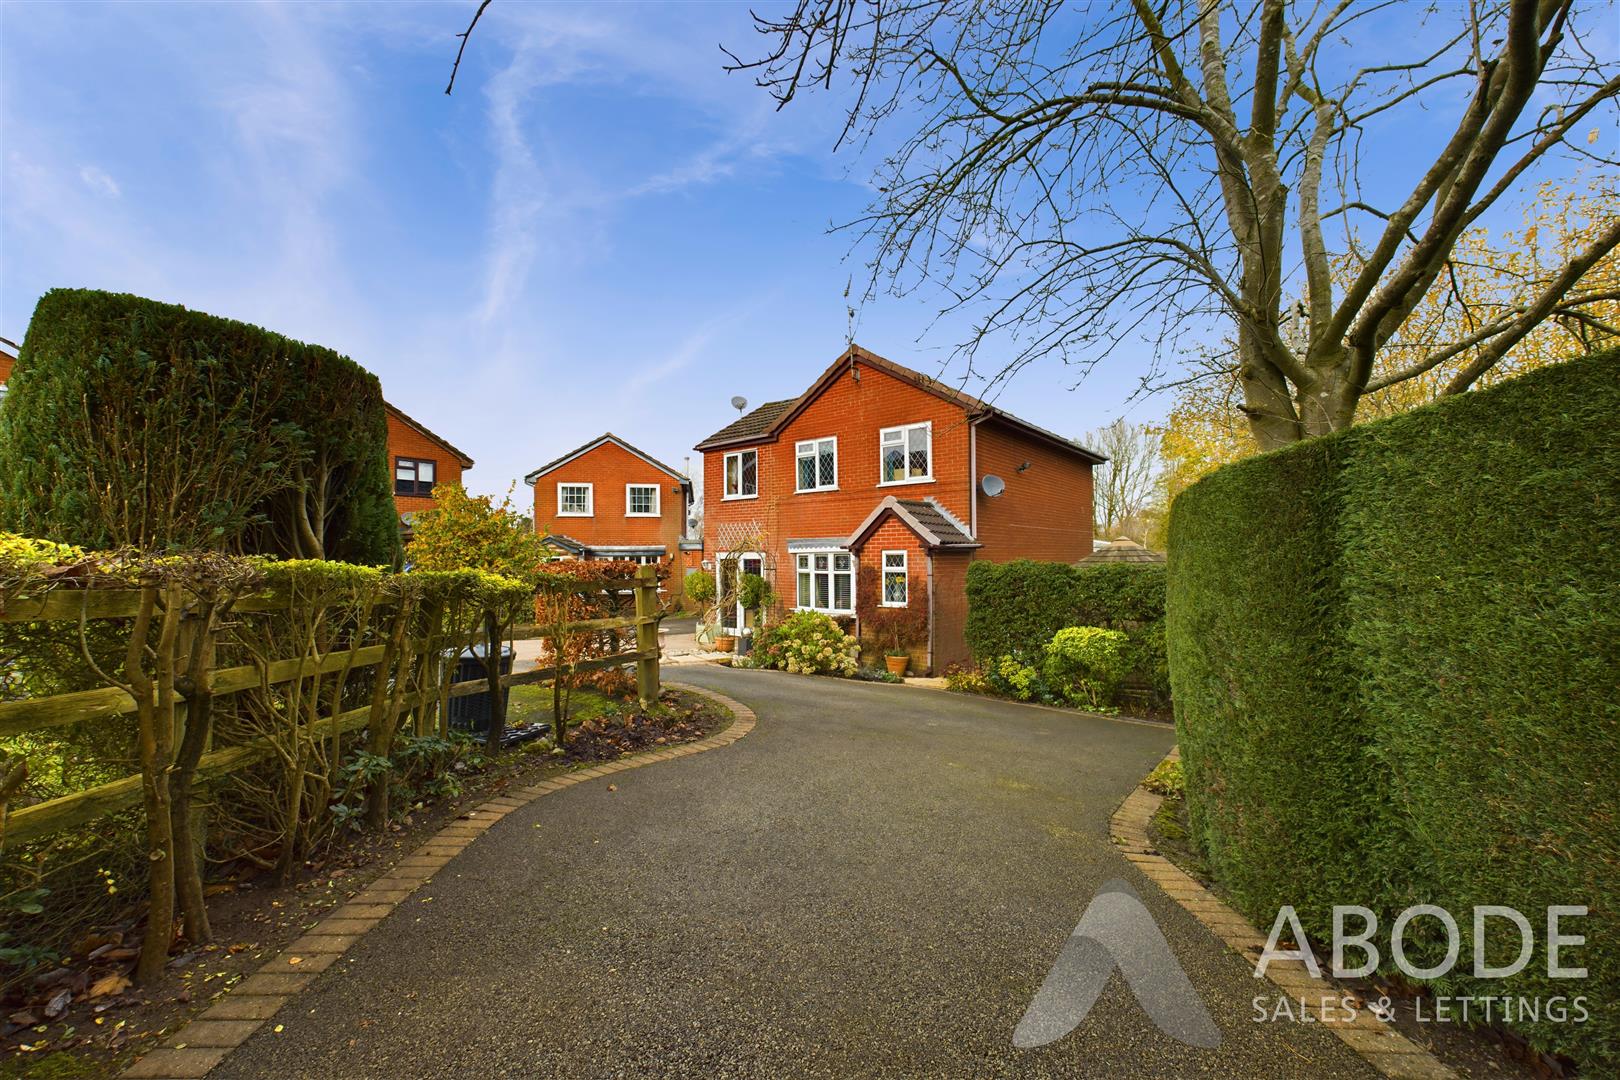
(67, 604)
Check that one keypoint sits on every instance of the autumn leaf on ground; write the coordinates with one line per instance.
(108, 985)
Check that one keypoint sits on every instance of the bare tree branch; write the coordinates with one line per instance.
(464, 35)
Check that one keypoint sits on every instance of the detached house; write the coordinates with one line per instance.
(879, 467)
(420, 460)
(609, 500)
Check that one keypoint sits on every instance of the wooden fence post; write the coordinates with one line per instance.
(647, 635)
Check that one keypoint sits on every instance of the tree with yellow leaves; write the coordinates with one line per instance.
(1446, 345)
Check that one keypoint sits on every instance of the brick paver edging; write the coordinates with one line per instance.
(1385, 1049)
(206, 1040)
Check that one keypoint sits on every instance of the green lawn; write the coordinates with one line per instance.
(530, 703)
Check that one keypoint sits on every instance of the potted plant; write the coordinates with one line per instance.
(725, 642)
(893, 630)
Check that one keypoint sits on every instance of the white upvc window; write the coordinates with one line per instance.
(826, 582)
(741, 475)
(641, 500)
(896, 585)
(906, 454)
(576, 500)
(816, 464)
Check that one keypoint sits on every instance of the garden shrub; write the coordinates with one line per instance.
(1085, 664)
(1392, 653)
(130, 422)
(700, 588)
(1015, 608)
(809, 643)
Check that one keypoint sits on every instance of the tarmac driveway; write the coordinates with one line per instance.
(872, 883)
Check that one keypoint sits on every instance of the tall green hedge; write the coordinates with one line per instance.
(1014, 608)
(132, 422)
(1395, 656)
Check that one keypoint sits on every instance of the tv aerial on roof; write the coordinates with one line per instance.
(739, 403)
(992, 485)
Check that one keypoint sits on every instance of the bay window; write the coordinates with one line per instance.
(826, 582)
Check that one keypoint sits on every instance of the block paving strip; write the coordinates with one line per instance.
(1385, 1049)
(204, 1042)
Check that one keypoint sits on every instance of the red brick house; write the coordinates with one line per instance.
(609, 500)
(878, 466)
(8, 360)
(420, 459)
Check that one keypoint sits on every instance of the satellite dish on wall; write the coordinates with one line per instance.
(739, 403)
(992, 485)
(691, 523)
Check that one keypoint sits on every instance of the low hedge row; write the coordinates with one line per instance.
(1394, 664)
(1015, 608)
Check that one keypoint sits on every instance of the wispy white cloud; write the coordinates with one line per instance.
(97, 180)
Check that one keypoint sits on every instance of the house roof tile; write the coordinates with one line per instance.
(606, 436)
(767, 420)
(400, 414)
(750, 425)
(934, 525)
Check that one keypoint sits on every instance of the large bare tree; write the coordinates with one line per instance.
(1073, 178)
(1128, 485)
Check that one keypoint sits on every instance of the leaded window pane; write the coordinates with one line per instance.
(807, 471)
(894, 463)
(829, 463)
(918, 440)
(894, 587)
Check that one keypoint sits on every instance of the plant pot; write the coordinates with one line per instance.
(897, 664)
(725, 642)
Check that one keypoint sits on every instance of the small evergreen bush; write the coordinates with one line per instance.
(1084, 664)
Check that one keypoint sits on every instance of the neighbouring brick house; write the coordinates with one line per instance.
(8, 360)
(420, 460)
(880, 467)
(609, 500)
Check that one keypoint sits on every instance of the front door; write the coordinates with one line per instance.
(727, 587)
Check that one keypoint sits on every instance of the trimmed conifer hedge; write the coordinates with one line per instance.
(130, 422)
(1395, 668)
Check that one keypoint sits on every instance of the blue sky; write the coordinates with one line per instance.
(600, 230)
(599, 211)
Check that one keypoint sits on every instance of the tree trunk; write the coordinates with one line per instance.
(380, 727)
(155, 712)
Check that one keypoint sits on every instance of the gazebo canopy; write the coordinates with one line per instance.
(1122, 551)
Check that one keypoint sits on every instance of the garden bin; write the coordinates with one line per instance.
(471, 713)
